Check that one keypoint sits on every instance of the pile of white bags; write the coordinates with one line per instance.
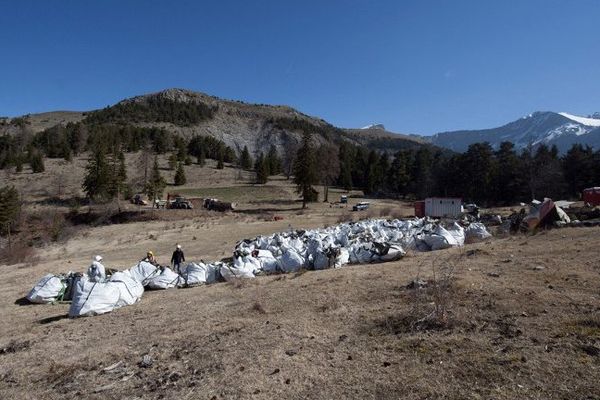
(355, 243)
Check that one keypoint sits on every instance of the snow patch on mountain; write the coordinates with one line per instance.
(582, 120)
(374, 126)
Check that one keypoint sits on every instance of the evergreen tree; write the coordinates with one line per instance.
(98, 177)
(262, 169)
(246, 159)
(36, 161)
(180, 175)
(399, 173)
(19, 163)
(121, 175)
(273, 161)
(507, 181)
(173, 161)
(422, 173)
(220, 158)
(549, 178)
(328, 167)
(305, 169)
(201, 159)
(478, 167)
(579, 168)
(10, 206)
(345, 164)
(156, 184)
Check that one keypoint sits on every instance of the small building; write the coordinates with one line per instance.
(592, 196)
(438, 207)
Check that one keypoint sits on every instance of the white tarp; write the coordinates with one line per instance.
(46, 290)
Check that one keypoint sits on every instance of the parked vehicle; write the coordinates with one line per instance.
(181, 203)
(344, 199)
(138, 199)
(363, 205)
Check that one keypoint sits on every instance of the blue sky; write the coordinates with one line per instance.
(416, 66)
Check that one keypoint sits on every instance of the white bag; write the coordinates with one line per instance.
(143, 272)
(166, 280)
(290, 261)
(231, 272)
(130, 290)
(94, 298)
(476, 232)
(342, 259)
(395, 252)
(46, 290)
(268, 263)
(200, 273)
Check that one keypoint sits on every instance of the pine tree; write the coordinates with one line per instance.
(262, 169)
(36, 161)
(273, 161)
(220, 158)
(173, 161)
(10, 206)
(399, 173)
(246, 159)
(328, 167)
(156, 184)
(305, 169)
(97, 180)
(19, 163)
(201, 159)
(180, 175)
(120, 180)
(579, 168)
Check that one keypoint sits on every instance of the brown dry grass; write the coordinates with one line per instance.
(512, 318)
(518, 333)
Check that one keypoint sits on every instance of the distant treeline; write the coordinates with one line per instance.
(74, 138)
(153, 109)
(481, 174)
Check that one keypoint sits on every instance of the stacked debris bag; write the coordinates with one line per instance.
(53, 288)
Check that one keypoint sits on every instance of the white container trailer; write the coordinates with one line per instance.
(439, 207)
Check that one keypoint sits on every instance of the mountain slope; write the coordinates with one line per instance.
(560, 129)
(238, 124)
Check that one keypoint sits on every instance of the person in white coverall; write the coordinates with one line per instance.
(96, 271)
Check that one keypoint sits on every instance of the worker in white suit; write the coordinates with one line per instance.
(96, 271)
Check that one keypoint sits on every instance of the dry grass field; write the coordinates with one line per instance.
(515, 317)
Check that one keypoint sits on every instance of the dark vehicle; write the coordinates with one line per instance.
(344, 199)
(363, 205)
(181, 203)
(138, 199)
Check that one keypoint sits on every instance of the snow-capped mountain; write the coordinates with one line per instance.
(374, 126)
(550, 128)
